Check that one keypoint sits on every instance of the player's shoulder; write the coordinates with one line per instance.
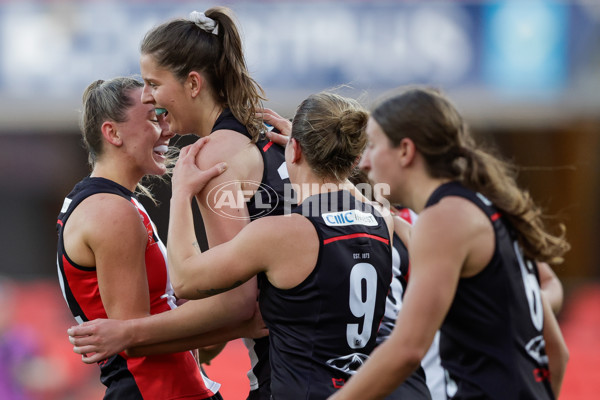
(107, 218)
(232, 147)
(108, 210)
(451, 208)
(224, 145)
(454, 214)
(278, 226)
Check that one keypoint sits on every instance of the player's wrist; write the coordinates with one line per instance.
(133, 333)
(182, 196)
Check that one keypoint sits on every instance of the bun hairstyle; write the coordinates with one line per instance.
(331, 132)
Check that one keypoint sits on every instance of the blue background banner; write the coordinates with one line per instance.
(535, 49)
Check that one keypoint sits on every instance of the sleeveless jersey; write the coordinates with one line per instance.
(491, 342)
(168, 376)
(415, 386)
(270, 199)
(430, 370)
(324, 329)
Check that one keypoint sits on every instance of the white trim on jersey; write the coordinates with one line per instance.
(249, 343)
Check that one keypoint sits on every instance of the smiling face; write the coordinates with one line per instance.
(163, 90)
(145, 137)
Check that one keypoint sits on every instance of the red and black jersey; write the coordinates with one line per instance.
(491, 342)
(324, 329)
(168, 376)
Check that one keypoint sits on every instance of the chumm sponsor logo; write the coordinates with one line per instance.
(351, 217)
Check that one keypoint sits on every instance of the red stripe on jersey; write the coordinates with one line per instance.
(495, 216)
(355, 235)
(267, 146)
(58, 221)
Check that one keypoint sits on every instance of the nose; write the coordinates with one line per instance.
(147, 97)
(164, 126)
(365, 163)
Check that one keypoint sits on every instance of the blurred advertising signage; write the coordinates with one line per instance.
(525, 45)
(56, 49)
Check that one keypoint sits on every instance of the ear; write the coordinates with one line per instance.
(406, 151)
(296, 150)
(194, 83)
(111, 134)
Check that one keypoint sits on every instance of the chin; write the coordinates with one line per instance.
(398, 201)
(158, 170)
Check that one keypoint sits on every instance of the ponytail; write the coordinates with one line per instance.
(439, 133)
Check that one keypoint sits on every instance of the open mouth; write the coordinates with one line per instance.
(161, 150)
(161, 111)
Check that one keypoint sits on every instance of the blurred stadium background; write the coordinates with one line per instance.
(525, 73)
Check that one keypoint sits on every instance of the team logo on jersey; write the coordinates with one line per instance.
(536, 348)
(352, 217)
(348, 364)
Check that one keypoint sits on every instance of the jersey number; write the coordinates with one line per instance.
(363, 291)
(532, 289)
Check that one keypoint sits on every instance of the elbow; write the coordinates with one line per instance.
(392, 365)
(181, 290)
(132, 352)
(177, 286)
(180, 287)
(410, 358)
(413, 359)
(406, 361)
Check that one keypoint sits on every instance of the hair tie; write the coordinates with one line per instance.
(205, 23)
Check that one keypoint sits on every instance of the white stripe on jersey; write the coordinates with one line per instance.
(65, 205)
